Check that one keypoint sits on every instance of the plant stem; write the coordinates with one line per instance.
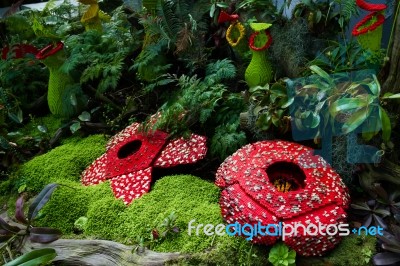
(392, 31)
(8, 242)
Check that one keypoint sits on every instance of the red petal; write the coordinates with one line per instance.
(96, 172)
(182, 151)
(131, 186)
(134, 153)
(247, 179)
(122, 135)
(309, 245)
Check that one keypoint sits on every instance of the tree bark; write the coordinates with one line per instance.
(101, 253)
(392, 83)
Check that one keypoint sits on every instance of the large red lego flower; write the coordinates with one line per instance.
(269, 182)
(131, 156)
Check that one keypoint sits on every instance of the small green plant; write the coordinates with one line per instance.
(367, 253)
(12, 235)
(80, 224)
(167, 228)
(280, 255)
(268, 107)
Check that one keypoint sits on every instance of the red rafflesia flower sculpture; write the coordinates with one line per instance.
(269, 182)
(131, 156)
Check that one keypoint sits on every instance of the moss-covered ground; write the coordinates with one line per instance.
(188, 197)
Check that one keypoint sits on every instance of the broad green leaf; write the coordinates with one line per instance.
(15, 117)
(386, 126)
(85, 116)
(34, 258)
(42, 128)
(222, 5)
(41, 200)
(311, 86)
(212, 10)
(374, 86)
(355, 120)
(389, 95)
(346, 104)
(75, 127)
(256, 26)
(10, 228)
(317, 70)
(288, 103)
(318, 16)
(315, 120)
(73, 100)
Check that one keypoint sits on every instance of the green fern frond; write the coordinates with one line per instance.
(169, 22)
(220, 70)
(226, 140)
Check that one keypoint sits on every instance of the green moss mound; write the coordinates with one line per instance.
(70, 202)
(187, 196)
(62, 164)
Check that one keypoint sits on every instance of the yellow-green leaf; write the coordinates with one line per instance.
(355, 120)
(91, 12)
(346, 104)
(260, 26)
(386, 126)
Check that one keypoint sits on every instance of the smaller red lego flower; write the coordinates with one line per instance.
(132, 154)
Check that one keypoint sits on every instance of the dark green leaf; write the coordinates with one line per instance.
(386, 258)
(389, 95)
(73, 99)
(355, 120)
(346, 104)
(361, 206)
(42, 128)
(288, 103)
(41, 200)
(34, 258)
(212, 10)
(386, 126)
(85, 116)
(19, 210)
(75, 127)
(317, 70)
(44, 234)
(7, 227)
(318, 16)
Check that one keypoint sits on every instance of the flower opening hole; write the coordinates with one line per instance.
(129, 149)
(286, 176)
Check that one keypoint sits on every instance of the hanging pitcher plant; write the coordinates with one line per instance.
(236, 31)
(259, 72)
(369, 30)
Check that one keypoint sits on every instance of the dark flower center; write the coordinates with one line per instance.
(286, 176)
(129, 149)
